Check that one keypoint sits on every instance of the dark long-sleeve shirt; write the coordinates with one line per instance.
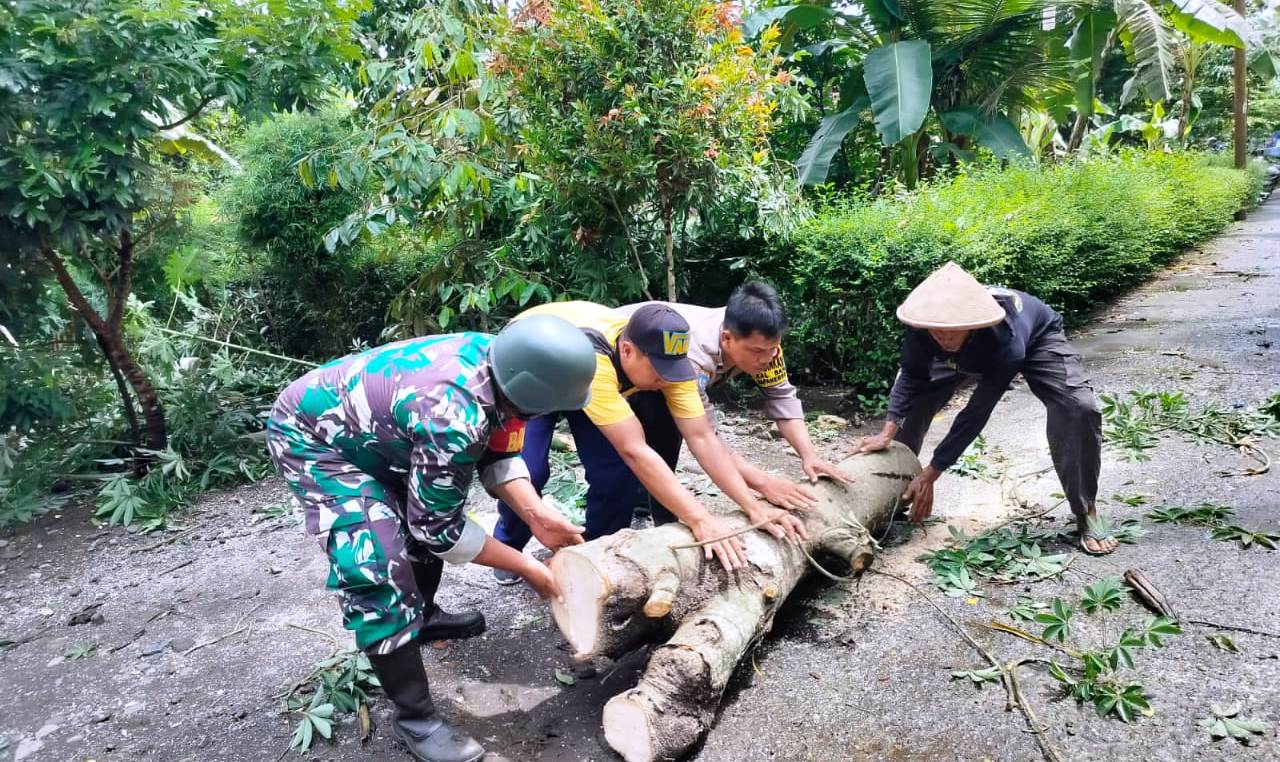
(995, 355)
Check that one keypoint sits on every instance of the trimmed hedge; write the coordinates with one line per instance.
(1073, 234)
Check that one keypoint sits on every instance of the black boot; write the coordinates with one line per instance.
(441, 625)
(417, 722)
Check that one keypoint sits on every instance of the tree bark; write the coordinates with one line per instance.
(1077, 133)
(126, 399)
(111, 337)
(1082, 120)
(1240, 82)
(668, 242)
(640, 586)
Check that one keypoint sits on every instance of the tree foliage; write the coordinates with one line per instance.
(634, 118)
(593, 140)
(93, 94)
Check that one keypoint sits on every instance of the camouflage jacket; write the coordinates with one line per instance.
(420, 416)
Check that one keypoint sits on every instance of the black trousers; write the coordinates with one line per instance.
(662, 436)
(1055, 374)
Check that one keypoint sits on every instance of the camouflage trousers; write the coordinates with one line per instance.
(385, 579)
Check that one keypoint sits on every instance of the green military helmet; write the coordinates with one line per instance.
(543, 364)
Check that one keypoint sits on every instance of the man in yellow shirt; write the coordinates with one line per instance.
(648, 352)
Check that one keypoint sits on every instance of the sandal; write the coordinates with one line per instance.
(1097, 530)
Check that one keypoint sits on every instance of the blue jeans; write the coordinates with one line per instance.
(612, 492)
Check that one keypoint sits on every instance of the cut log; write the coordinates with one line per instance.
(636, 587)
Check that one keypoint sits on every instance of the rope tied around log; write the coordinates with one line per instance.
(662, 601)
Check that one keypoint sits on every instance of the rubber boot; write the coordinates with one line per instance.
(440, 624)
(417, 723)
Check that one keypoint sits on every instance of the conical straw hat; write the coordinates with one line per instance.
(950, 299)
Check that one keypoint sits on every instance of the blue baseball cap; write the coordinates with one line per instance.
(663, 335)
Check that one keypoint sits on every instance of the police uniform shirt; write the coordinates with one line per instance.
(781, 401)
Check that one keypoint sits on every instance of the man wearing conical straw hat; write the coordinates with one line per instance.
(960, 327)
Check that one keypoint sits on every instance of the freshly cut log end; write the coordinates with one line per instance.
(621, 589)
(665, 588)
(647, 726)
(626, 729)
(585, 591)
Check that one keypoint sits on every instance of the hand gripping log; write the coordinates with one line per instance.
(635, 587)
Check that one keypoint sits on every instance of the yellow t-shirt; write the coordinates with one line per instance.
(608, 403)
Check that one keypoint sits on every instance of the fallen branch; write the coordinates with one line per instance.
(161, 614)
(1033, 722)
(176, 567)
(1232, 627)
(332, 638)
(218, 639)
(1148, 594)
(28, 637)
(1029, 518)
(1008, 672)
(1258, 454)
(1151, 597)
(237, 347)
(293, 687)
(241, 627)
(1017, 632)
(166, 541)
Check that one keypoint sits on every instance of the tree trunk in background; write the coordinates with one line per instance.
(1082, 120)
(1241, 133)
(110, 334)
(669, 246)
(1077, 133)
(126, 399)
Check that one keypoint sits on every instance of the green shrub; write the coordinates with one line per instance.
(1072, 234)
(271, 205)
(317, 303)
(1257, 169)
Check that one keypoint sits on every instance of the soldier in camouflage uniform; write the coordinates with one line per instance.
(380, 448)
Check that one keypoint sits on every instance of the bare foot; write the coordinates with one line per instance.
(1095, 536)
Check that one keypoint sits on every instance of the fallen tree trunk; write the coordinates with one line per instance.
(635, 587)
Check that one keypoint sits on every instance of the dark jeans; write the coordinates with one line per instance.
(661, 434)
(1055, 374)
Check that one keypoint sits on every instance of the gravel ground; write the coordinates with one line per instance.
(856, 672)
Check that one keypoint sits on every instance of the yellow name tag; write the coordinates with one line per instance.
(774, 375)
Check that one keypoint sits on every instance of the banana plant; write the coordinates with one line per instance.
(1155, 128)
(968, 63)
(1158, 38)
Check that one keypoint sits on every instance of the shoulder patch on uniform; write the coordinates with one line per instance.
(773, 375)
(509, 438)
